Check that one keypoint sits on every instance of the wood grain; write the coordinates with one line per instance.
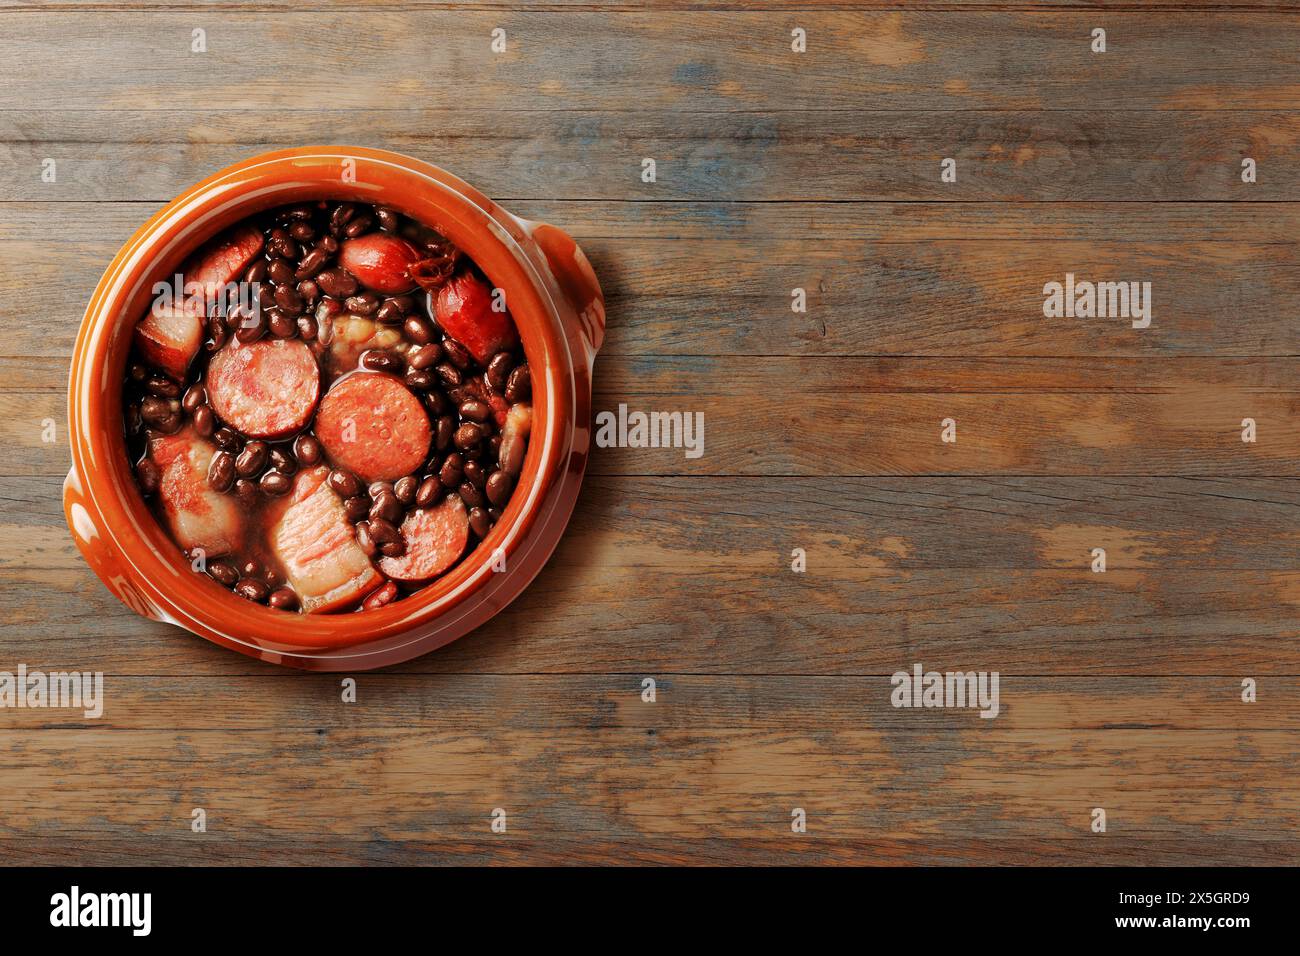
(848, 154)
(1119, 689)
(688, 62)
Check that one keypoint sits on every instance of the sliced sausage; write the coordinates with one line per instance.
(464, 310)
(315, 545)
(435, 539)
(169, 338)
(223, 259)
(198, 516)
(265, 389)
(371, 425)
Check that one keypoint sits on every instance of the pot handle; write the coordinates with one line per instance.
(577, 280)
(86, 524)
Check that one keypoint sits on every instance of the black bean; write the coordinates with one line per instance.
(309, 291)
(499, 369)
(359, 226)
(404, 490)
(257, 272)
(223, 572)
(519, 386)
(393, 549)
(221, 471)
(452, 471)
(429, 492)
(218, 334)
(280, 243)
(312, 263)
(457, 354)
(418, 330)
(275, 484)
(475, 474)
(280, 271)
(341, 215)
(148, 476)
(387, 508)
(499, 486)
(449, 374)
(162, 387)
(271, 578)
(246, 490)
(346, 484)
(382, 361)
(364, 303)
(283, 599)
(468, 435)
(383, 531)
(282, 325)
(420, 379)
(377, 488)
(302, 231)
(436, 402)
(445, 431)
(205, 421)
(171, 424)
(282, 461)
(195, 396)
(307, 327)
(476, 410)
(364, 539)
(289, 301)
(356, 508)
(226, 438)
(470, 495)
(306, 449)
(252, 589)
(494, 446)
(133, 420)
(388, 219)
(424, 356)
(252, 327)
(479, 522)
(154, 410)
(252, 459)
(337, 282)
(389, 314)
(494, 514)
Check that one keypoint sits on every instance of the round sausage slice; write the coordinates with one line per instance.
(435, 539)
(372, 426)
(266, 389)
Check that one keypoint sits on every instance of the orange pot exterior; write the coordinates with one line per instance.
(557, 306)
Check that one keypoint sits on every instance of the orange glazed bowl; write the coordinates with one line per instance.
(558, 310)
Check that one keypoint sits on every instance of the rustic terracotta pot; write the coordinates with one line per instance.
(556, 303)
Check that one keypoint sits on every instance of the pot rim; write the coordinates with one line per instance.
(441, 611)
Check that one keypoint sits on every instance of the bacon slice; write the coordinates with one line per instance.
(198, 516)
(316, 546)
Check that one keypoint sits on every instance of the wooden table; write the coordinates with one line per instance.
(775, 170)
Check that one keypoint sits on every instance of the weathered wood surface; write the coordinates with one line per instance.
(689, 61)
(942, 297)
(851, 153)
(775, 171)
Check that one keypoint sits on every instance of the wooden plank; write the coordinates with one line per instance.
(842, 155)
(736, 620)
(688, 61)
(767, 419)
(212, 849)
(574, 704)
(628, 782)
(897, 524)
(111, 223)
(734, 296)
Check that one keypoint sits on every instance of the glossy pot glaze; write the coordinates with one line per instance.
(559, 311)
